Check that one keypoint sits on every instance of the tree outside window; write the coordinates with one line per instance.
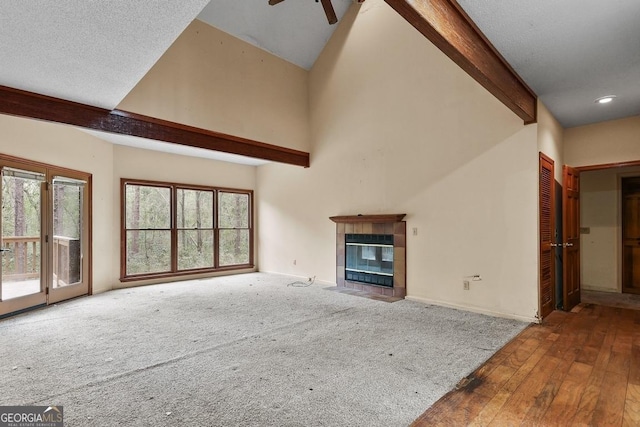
(175, 229)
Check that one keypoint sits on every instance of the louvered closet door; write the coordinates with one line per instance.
(547, 227)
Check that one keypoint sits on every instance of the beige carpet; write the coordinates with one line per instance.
(245, 350)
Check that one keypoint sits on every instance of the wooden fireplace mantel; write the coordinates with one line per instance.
(367, 218)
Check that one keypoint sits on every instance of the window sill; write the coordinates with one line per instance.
(141, 277)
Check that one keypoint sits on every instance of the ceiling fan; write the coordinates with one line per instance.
(326, 4)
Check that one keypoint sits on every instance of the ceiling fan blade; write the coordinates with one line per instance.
(272, 2)
(328, 10)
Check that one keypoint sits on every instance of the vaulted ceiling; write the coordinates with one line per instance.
(94, 52)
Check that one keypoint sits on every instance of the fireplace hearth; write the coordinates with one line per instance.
(371, 254)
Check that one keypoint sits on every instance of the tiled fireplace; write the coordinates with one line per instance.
(371, 253)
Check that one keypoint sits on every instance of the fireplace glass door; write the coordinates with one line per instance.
(369, 259)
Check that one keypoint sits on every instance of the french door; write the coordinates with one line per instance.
(44, 234)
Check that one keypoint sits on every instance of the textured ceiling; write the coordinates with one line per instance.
(93, 52)
(295, 30)
(570, 52)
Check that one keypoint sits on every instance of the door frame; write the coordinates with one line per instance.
(46, 268)
(604, 166)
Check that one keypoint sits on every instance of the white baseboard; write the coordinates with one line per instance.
(475, 309)
(598, 289)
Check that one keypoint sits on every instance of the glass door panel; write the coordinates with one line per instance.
(68, 209)
(21, 240)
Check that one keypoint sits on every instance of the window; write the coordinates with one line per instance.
(195, 229)
(233, 217)
(171, 229)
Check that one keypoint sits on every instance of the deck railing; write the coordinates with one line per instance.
(21, 259)
(66, 260)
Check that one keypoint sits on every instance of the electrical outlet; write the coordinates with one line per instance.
(465, 285)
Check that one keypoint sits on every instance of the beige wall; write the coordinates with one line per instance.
(212, 80)
(600, 204)
(551, 139)
(602, 143)
(404, 130)
(68, 147)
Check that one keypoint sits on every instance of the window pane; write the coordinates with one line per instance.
(67, 226)
(148, 251)
(195, 249)
(148, 207)
(234, 247)
(233, 210)
(67, 210)
(195, 209)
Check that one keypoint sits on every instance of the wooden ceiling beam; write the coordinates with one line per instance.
(31, 105)
(329, 11)
(447, 26)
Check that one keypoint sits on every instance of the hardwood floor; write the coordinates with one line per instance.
(580, 368)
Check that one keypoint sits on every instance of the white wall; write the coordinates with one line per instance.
(64, 146)
(398, 128)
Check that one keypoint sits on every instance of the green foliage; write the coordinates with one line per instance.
(20, 205)
(233, 210)
(67, 212)
(234, 247)
(148, 207)
(195, 209)
(153, 254)
(21, 220)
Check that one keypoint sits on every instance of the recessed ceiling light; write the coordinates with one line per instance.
(605, 99)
